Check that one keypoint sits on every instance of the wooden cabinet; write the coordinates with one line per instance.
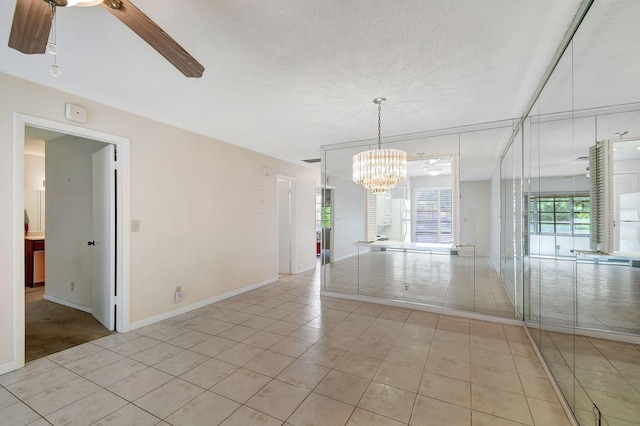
(31, 245)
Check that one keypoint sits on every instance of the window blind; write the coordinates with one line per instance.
(601, 190)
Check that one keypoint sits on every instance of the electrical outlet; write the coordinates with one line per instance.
(406, 287)
(177, 296)
(72, 286)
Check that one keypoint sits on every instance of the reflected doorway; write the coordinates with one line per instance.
(326, 224)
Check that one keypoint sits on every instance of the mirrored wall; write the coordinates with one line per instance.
(429, 239)
(572, 216)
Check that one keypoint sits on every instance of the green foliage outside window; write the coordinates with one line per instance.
(560, 215)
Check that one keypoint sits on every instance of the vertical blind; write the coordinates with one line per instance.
(600, 156)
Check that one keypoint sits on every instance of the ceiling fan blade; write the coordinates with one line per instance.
(31, 26)
(150, 32)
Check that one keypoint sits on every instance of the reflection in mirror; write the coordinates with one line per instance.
(428, 240)
(584, 296)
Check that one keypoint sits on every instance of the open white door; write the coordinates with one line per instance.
(284, 226)
(104, 236)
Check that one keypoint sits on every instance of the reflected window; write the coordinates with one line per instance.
(560, 215)
(433, 215)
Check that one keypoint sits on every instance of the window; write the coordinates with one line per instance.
(433, 215)
(323, 209)
(559, 215)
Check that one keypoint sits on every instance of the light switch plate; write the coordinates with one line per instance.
(135, 226)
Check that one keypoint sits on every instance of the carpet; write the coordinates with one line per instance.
(51, 328)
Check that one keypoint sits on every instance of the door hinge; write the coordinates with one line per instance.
(115, 153)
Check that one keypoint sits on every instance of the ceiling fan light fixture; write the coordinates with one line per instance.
(55, 71)
(83, 3)
(380, 169)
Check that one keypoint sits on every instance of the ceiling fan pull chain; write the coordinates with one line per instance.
(52, 46)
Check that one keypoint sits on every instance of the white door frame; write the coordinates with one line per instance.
(20, 121)
(292, 223)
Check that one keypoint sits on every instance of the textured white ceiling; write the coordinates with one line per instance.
(284, 77)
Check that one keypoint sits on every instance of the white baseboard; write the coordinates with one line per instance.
(348, 256)
(587, 332)
(422, 307)
(8, 366)
(302, 271)
(67, 303)
(196, 305)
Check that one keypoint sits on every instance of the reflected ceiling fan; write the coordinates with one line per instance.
(32, 24)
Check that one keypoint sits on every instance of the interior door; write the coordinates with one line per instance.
(284, 226)
(104, 236)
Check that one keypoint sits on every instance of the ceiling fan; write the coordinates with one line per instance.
(32, 24)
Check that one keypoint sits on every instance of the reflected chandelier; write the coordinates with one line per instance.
(380, 169)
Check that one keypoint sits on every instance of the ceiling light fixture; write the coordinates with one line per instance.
(434, 171)
(380, 169)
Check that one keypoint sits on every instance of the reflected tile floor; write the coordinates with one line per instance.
(464, 281)
(595, 371)
(282, 354)
(608, 295)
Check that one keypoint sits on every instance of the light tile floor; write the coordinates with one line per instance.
(282, 354)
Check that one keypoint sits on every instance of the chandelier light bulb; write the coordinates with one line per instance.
(55, 70)
(52, 48)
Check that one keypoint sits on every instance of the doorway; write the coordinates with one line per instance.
(326, 218)
(120, 248)
(285, 193)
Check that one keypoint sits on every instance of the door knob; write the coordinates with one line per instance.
(91, 243)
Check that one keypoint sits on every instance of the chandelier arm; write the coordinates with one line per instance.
(379, 125)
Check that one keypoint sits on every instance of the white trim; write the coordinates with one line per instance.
(20, 121)
(166, 315)
(302, 271)
(422, 307)
(67, 303)
(351, 255)
(8, 366)
(586, 332)
(17, 259)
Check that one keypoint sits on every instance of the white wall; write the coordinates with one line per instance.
(561, 184)
(34, 172)
(69, 219)
(205, 207)
(440, 181)
(475, 217)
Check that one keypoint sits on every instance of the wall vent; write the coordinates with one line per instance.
(312, 160)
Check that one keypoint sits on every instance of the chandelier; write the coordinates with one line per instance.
(380, 169)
